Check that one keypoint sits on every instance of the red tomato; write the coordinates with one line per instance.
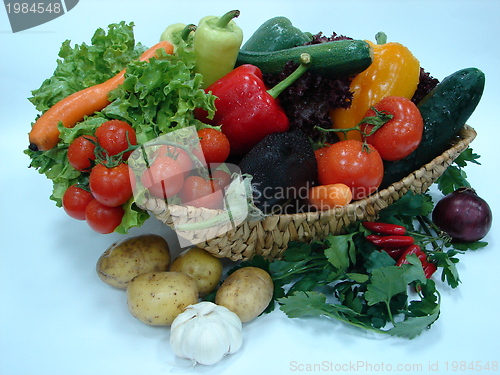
(200, 192)
(101, 218)
(220, 179)
(353, 164)
(402, 134)
(164, 178)
(179, 155)
(75, 200)
(214, 144)
(111, 186)
(114, 137)
(81, 152)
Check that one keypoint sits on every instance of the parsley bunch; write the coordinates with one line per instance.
(347, 278)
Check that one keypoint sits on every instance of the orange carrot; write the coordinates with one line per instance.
(44, 134)
(324, 197)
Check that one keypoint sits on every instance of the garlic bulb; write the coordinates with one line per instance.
(205, 333)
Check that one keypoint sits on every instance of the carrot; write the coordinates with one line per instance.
(324, 197)
(44, 134)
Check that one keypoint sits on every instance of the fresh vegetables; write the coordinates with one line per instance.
(325, 197)
(101, 218)
(463, 215)
(214, 145)
(75, 201)
(44, 134)
(349, 279)
(205, 269)
(133, 256)
(352, 163)
(428, 267)
(395, 71)
(157, 298)
(277, 33)
(459, 94)
(149, 101)
(367, 270)
(217, 41)
(308, 102)
(247, 292)
(283, 168)
(205, 333)
(399, 136)
(333, 59)
(245, 109)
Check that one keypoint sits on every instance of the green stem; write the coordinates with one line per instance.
(379, 120)
(305, 61)
(226, 18)
(381, 37)
(186, 31)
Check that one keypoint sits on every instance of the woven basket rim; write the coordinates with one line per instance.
(466, 135)
(270, 236)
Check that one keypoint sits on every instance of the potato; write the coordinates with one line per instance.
(156, 298)
(125, 259)
(202, 266)
(247, 292)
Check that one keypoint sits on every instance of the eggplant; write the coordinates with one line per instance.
(283, 167)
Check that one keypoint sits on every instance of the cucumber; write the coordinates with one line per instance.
(332, 59)
(445, 110)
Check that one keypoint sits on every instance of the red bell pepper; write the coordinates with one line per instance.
(429, 267)
(245, 109)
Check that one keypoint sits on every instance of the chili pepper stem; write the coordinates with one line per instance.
(305, 61)
(226, 18)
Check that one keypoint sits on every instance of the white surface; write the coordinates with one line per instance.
(57, 317)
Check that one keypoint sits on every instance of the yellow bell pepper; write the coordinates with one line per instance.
(393, 72)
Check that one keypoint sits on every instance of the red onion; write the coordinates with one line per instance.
(463, 215)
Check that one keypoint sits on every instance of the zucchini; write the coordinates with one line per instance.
(332, 59)
(445, 110)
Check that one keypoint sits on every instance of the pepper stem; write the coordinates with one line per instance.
(186, 31)
(381, 37)
(305, 61)
(226, 18)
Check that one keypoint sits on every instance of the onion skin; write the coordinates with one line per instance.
(463, 215)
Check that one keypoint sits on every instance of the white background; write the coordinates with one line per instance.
(57, 317)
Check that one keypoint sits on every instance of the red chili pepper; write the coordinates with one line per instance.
(390, 242)
(429, 267)
(384, 228)
(395, 253)
(245, 109)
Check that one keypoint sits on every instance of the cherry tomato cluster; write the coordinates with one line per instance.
(360, 164)
(103, 156)
(172, 172)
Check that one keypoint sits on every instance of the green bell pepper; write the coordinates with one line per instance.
(276, 34)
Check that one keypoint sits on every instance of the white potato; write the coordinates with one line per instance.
(202, 266)
(247, 292)
(156, 298)
(125, 259)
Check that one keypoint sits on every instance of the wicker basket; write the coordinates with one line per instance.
(269, 237)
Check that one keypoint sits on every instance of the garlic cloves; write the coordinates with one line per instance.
(205, 333)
